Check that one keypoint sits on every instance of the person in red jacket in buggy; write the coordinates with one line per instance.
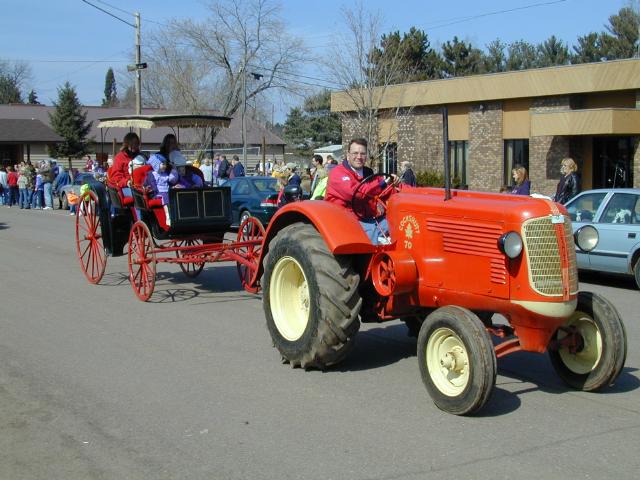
(354, 186)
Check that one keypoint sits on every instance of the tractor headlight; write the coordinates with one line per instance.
(586, 238)
(511, 244)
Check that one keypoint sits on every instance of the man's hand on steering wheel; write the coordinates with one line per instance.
(364, 203)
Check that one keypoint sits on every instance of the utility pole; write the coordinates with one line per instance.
(138, 63)
(244, 114)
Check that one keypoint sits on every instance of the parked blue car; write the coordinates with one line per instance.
(615, 213)
(253, 197)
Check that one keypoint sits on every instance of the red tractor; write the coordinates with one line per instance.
(453, 260)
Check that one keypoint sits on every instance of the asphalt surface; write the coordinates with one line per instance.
(95, 384)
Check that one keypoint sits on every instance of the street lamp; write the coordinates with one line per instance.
(256, 76)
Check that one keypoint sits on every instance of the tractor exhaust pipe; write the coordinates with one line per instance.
(445, 140)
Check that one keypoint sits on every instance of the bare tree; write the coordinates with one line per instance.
(205, 64)
(367, 77)
(14, 74)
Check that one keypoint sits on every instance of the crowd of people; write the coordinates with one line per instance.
(30, 186)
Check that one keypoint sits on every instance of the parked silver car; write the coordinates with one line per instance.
(615, 213)
(74, 187)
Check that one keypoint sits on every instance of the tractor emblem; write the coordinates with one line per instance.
(410, 226)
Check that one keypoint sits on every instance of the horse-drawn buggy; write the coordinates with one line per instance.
(188, 230)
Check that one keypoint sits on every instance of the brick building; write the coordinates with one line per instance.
(590, 112)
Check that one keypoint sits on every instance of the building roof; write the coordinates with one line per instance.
(561, 80)
(26, 131)
(225, 136)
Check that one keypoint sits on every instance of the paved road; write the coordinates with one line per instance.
(95, 384)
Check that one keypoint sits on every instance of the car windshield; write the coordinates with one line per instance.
(265, 185)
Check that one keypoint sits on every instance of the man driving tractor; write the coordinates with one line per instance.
(347, 186)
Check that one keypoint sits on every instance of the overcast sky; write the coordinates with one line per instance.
(70, 40)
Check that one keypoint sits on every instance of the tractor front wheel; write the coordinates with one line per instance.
(457, 360)
(589, 350)
(310, 299)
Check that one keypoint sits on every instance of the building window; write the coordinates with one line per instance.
(516, 152)
(458, 162)
(390, 158)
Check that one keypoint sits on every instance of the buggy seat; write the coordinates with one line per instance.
(117, 197)
(143, 199)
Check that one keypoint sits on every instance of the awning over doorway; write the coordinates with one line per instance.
(602, 121)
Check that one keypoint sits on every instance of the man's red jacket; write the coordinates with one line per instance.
(343, 181)
(118, 173)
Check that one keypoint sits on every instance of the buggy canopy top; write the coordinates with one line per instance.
(153, 121)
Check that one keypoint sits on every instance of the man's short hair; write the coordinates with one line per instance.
(357, 141)
(318, 158)
(236, 158)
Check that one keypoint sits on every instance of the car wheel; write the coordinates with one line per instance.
(65, 202)
(244, 216)
(636, 272)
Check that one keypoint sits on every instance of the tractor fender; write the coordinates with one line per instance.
(338, 227)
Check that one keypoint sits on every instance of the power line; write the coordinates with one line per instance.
(61, 61)
(488, 14)
(110, 14)
(114, 7)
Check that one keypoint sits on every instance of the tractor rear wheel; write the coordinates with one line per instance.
(457, 360)
(310, 299)
(596, 358)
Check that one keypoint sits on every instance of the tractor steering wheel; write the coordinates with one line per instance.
(361, 202)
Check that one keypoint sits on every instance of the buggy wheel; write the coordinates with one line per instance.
(457, 360)
(142, 261)
(250, 232)
(191, 270)
(89, 242)
(589, 350)
(310, 299)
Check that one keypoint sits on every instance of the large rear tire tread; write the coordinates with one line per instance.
(613, 353)
(334, 300)
(465, 330)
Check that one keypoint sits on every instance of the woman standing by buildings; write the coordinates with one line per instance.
(569, 184)
(522, 183)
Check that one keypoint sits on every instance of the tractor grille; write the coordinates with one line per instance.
(545, 253)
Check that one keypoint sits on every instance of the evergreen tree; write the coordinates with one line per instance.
(588, 49)
(296, 130)
(621, 41)
(495, 60)
(33, 98)
(9, 90)
(110, 92)
(323, 126)
(460, 58)
(70, 122)
(551, 52)
(406, 58)
(521, 55)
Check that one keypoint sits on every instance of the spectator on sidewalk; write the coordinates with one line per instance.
(4, 186)
(224, 170)
(47, 178)
(61, 180)
(12, 181)
(237, 169)
(207, 171)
